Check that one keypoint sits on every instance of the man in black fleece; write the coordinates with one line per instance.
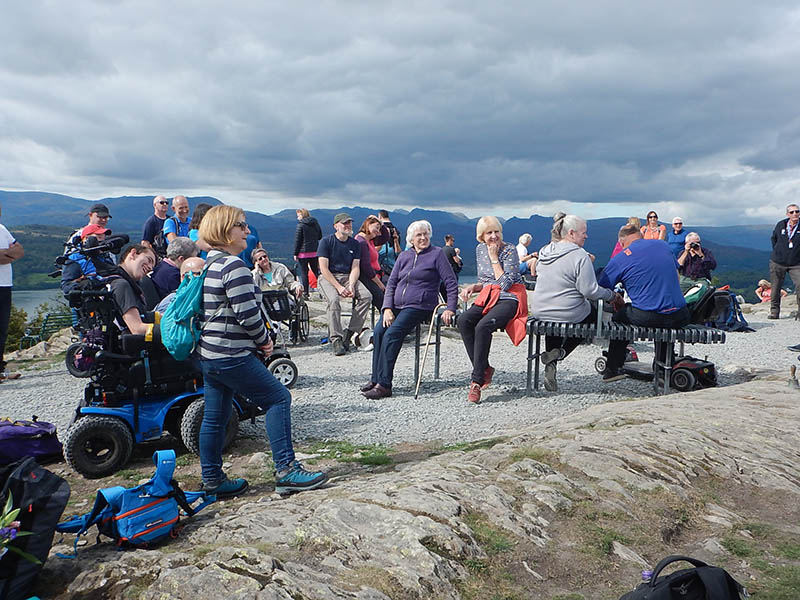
(785, 258)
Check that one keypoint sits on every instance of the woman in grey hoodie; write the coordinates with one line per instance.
(565, 285)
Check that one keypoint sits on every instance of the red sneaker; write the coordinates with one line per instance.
(474, 394)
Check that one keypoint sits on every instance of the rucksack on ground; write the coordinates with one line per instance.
(180, 323)
(142, 516)
(20, 439)
(701, 582)
(727, 313)
(41, 497)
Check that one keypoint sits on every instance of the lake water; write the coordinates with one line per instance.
(28, 300)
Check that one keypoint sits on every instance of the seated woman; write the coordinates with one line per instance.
(269, 275)
(135, 263)
(764, 291)
(502, 303)
(233, 335)
(371, 235)
(564, 288)
(527, 260)
(411, 294)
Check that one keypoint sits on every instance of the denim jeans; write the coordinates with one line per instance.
(387, 342)
(249, 377)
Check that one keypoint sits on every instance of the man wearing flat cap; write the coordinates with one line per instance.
(339, 259)
(98, 215)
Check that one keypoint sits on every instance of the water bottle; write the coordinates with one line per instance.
(647, 575)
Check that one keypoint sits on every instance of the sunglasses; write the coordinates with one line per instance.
(241, 224)
(163, 202)
(792, 212)
(678, 223)
(652, 216)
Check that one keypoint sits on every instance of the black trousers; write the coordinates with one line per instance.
(305, 263)
(476, 332)
(569, 344)
(645, 318)
(5, 317)
(377, 293)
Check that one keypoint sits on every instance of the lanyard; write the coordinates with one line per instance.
(791, 231)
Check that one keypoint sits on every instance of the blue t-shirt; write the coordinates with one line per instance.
(182, 228)
(649, 272)
(340, 255)
(676, 241)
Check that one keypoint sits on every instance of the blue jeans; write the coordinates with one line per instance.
(388, 342)
(250, 378)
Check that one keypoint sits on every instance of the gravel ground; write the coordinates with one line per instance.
(328, 405)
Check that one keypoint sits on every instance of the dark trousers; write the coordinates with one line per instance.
(305, 263)
(569, 344)
(476, 332)
(388, 341)
(777, 274)
(443, 289)
(377, 293)
(5, 318)
(644, 318)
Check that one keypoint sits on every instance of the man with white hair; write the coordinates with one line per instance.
(155, 222)
(785, 258)
(695, 263)
(676, 237)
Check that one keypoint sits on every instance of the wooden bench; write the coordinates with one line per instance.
(690, 334)
(51, 323)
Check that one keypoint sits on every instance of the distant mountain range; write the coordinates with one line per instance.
(738, 248)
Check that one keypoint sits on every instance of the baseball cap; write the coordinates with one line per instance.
(101, 210)
(341, 218)
(94, 229)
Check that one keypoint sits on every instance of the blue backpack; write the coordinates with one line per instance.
(142, 516)
(180, 323)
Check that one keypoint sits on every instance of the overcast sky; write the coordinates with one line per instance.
(512, 108)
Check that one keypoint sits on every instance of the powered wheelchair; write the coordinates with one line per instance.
(137, 390)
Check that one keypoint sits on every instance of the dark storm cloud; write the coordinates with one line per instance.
(408, 103)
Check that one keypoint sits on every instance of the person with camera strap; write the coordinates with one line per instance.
(695, 263)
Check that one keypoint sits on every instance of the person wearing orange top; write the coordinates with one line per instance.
(652, 230)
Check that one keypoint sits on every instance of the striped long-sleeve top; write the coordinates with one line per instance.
(232, 317)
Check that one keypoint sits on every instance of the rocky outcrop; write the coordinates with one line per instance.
(418, 530)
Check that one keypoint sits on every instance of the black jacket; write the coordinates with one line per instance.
(781, 253)
(307, 235)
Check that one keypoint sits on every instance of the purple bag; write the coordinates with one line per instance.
(20, 439)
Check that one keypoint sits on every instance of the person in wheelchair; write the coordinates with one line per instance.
(79, 266)
(269, 275)
(135, 263)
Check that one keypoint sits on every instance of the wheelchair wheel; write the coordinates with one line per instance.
(193, 420)
(284, 371)
(303, 322)
(683, 380)
(98, 446)
(78, 361)
(600, 364)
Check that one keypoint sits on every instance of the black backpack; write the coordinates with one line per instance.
(41, 497)
(702, 582)
(160, 241)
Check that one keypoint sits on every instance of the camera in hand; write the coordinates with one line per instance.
(694, 245)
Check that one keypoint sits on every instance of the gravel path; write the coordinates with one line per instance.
(327, 404)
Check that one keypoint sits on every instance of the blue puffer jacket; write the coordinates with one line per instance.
(415, 279)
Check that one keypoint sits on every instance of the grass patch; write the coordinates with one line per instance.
(470, 446)
(739, 547)
(184, 460)
(378, 579)
(789, 550)
(365, 454)
(568, 597)
(492, 539)
(780, 582)
(542, 455)
(129, 474)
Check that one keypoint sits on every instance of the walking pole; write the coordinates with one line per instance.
(427, 343)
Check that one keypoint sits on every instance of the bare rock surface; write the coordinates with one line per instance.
(418, 530)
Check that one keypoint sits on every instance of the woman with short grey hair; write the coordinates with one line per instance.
(417, 227)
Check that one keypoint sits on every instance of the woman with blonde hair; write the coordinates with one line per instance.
(233, 334)
(764, 291)
(631, 221)
(502, 302)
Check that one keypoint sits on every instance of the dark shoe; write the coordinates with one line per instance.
(474, 394)
(487, 377)
(378, 392)
(338, 348)
(368, 386)
(228, 488)
(297, 479)
(774, 317)
(795, 348)
(553, 355)
(550, 383)
(347, 337)
(610, 375)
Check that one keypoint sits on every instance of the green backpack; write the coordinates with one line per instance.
(180, 323)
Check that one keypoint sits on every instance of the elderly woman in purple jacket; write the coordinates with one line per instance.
(412, 293)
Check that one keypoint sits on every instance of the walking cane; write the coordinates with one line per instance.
(425, 354)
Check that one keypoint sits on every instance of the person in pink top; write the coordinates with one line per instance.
(652, 230)
(631, 221)
(372, 235)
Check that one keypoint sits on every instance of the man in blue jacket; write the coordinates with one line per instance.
(649, 272)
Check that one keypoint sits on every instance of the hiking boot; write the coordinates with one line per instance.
(795, 348)
(550, 383)
(368, 386)
(228, 488)
(296, 479)
(610, 375)
(474, 394)
(347, 337)
(774, 317)
(378, 392)
(487, 377)
(338, 347)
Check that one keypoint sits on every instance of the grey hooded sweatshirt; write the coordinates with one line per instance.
(565, 283)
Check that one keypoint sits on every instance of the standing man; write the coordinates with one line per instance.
(649, 272)
(155, 222)
(389, 251)
(339, 265)
(676, 237)
(453, 256)
(785, 258)
(10, 250)
(178, 226)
